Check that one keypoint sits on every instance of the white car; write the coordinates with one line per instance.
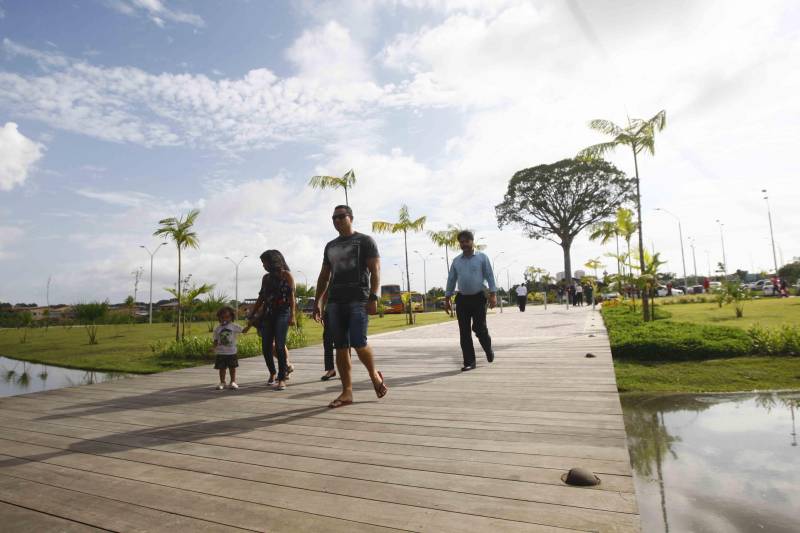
(662, 291)
(769, 289)
(759, 285)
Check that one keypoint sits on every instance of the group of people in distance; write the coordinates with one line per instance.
(347, 293)
(576, 294)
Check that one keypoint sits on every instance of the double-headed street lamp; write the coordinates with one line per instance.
(157, 248)
(680, 236)
(236, 283)
(694, 259)
(771, 235)
(724, 260)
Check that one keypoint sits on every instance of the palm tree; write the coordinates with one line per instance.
(404, 225)
(188, 301)
(332, 182)
(639, 135)
(448, 239)
(180, 231)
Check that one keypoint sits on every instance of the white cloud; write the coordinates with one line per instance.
(18, 154)
(328, 53)
(122, 198)
(156, 11)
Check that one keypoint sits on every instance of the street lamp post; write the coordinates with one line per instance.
(694, 258)
(153, 253)
(494, 259)
(236, 283)
(424, 278)
(680, 236)
(771, 235)
(722, 240)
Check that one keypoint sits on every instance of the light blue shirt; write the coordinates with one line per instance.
(470, 273)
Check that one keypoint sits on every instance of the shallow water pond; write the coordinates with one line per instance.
(21, 377)
(715, 462)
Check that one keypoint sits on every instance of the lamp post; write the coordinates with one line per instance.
(771, 235)
(236, 284)
(722, 241)
(708, 262)
(680, 236)
(494, 259)
(424, 278)
(402, 277)
(694, 258)
(153, 253)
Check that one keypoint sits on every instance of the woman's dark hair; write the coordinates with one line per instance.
(275, 261)
(226, 309)
(466, 234)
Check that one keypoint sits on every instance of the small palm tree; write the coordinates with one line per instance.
(639, 135)
(333, 182)
(403, 225)
(188, 300)
(180, 231)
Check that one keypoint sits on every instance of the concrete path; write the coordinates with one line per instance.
(445, 451)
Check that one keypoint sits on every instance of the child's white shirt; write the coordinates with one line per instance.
(225, 336)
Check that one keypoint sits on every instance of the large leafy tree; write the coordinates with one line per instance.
(179, 229)
(334, 182)
(557, 201)
(639, 136)
(403, 225)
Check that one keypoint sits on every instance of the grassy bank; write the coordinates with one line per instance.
(768, 312)
(127, 348)
(686, 351)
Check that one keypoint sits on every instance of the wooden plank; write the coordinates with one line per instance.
(17, 518)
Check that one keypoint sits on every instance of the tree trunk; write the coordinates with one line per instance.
(408, 280)
(346, 199)
(565, 246)
(645, 296)
(178, 308)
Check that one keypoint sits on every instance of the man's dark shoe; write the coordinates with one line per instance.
(490, 356)
(468, 367)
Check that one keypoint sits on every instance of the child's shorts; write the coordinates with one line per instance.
(226, 361)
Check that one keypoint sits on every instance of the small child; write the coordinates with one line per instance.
(225, 346)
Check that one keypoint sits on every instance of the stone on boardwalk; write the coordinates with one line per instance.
(443, 451)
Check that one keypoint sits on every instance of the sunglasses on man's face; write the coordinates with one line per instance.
(340, 216)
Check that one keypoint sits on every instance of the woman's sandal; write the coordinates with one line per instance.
(339, 403)
(327, 376)
(381, 389)
(289, 370)
(271, 380)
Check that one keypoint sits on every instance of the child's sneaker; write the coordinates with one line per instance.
(233, 386)
(221, 385)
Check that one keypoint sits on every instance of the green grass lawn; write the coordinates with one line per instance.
(768, 312)
(126, 348)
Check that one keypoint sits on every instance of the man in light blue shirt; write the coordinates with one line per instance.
(469, 270)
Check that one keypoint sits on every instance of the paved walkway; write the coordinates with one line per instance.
(445, 451)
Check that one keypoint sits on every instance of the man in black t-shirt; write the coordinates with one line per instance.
(351, 276)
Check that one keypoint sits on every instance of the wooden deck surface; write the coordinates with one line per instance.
(445, 451)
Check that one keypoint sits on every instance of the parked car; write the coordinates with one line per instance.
(769, 289)
(661, 290)
(714, 285)
(696, 289)
(610, 295)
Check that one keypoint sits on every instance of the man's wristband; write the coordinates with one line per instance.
(373, 297)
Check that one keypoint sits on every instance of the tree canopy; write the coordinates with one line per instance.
(557, 201)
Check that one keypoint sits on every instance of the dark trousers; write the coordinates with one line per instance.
(471, 313)
(327, 341)
(521, 301)
(275, 329)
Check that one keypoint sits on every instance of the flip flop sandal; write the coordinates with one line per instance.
(382, 389)
(339, 403)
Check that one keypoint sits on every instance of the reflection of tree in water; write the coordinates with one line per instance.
(648, 439)
(770, 400)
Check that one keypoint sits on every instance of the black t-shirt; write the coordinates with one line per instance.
(347, 258)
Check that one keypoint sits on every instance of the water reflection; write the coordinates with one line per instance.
(715, 462)
(20, 377)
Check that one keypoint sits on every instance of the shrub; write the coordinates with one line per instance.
(776, 341)
(200, 348)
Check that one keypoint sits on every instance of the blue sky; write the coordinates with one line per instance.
(116, 113)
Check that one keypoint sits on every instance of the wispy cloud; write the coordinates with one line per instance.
(155, 10)
(122, 198)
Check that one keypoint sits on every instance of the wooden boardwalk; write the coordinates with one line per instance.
(445, 451)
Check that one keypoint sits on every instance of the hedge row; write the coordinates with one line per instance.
(631, 338)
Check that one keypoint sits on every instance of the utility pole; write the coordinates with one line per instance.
(424, 278)
(722, 240)
(694, 259)
(771, 235)
(236, 284)
(153, 253)
(680, 236)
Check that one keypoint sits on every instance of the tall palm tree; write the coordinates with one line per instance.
(180, 231)
(403, 225)
(639, 135)
(333, 182)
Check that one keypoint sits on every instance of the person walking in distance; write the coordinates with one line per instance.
(351, 276)
(469, 270)
(522, 296)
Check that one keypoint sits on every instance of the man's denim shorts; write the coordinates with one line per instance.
(348, 321)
